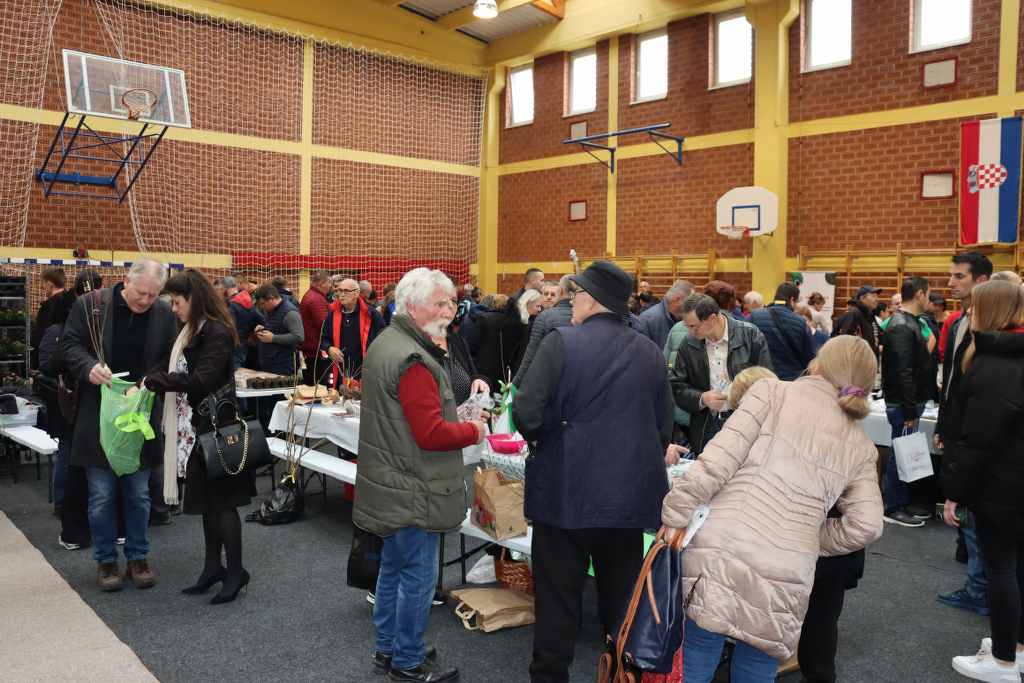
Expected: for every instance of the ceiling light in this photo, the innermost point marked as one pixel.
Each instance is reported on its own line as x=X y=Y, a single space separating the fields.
x=485 y=9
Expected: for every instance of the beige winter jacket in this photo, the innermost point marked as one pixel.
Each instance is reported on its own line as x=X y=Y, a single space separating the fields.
x=784 y=458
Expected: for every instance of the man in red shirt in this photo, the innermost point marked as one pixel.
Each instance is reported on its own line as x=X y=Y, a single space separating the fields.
x=313 y=309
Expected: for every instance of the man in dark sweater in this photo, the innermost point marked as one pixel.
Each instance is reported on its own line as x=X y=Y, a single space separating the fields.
x=591 y=489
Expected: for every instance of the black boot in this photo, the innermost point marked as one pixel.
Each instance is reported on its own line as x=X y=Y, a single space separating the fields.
x=427 y=672
x=382 y=660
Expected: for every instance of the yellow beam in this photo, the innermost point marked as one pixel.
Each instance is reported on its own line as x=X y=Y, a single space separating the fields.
x=1009 y=35
x=487 y=229
x=461 y=18
x=613 y=125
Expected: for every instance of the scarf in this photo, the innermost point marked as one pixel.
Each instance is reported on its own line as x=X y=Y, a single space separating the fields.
x=170 y=419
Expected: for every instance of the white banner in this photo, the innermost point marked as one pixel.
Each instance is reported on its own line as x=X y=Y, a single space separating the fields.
x=822 y=282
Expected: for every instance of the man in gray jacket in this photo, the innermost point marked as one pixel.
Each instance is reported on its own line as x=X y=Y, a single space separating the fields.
x=659 y=319
x=559 y=315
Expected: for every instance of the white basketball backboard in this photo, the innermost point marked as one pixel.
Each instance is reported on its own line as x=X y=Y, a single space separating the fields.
x=755 y=207
x=95 y=86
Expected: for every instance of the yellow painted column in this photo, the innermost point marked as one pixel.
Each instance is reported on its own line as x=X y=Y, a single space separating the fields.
x=613 y=125
x=487 y=236
x=771 y=20
x=1009 y=36
x=306 y=181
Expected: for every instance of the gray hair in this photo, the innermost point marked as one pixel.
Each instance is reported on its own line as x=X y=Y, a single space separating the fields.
x=365 y=286
x=1006 y=276
x=564 y=285
x=337 y=278
x=679 y=288
x=487 y=300
x=753 y=297
x=417 y=286
x=228 y=282
x=551 y=283
x=528 y=296
x=148 y=267
x=701 y=304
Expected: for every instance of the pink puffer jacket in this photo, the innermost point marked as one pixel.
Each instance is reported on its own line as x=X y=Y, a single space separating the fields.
x=784 y=458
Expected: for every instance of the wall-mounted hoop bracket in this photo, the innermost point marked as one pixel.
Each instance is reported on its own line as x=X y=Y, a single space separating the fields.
x=653 y=131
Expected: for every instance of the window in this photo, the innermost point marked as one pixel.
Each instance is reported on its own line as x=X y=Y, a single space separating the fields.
x=521 y=89
x=828 y=25
x=733 y=49
x=582 y=81
x=940 y=23
x=651 y=66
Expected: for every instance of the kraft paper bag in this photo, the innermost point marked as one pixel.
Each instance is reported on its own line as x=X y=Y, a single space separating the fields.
x=913 y=459
x=498 y=504
x=493 y=608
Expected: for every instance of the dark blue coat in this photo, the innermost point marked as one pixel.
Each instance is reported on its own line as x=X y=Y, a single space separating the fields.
x=599 y=460
x=279 y=358
x=475 y=311
x=786 y=364
x=245 y=319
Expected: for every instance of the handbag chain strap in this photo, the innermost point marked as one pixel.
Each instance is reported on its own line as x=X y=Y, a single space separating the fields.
x=245 y=450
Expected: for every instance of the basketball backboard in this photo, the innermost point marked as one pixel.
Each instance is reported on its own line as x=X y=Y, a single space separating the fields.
x=755 y=207
x=96 y=85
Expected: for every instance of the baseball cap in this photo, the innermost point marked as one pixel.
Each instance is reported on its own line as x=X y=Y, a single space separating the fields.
x=867 y=289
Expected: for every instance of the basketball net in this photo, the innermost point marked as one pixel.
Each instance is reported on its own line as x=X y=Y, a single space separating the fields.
x=139 y=102
x=734 y=232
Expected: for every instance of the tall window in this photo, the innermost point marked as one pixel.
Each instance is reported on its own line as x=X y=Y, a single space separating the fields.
x=940 y=23
x=582 y=81
x=651 y=65
x=521 y=89
x=733 y=49
x=829 y=33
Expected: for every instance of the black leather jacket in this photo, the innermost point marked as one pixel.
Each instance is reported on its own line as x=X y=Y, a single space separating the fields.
x=691 y=374
x=907 y=375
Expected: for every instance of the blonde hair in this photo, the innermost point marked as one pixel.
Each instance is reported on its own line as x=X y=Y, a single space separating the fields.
x=995 y=306
x=524 y=301
x=815 y=298
x=500 y=301
x=741 y=385
x=805 y=312
x=847 y=361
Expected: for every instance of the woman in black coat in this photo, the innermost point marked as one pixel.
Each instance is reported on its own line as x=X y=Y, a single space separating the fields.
x=983 y=464
x=204 y=364
x=513 y=330
x=485 y=341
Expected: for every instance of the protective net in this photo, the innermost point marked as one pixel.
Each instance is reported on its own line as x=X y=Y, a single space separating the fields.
x=385 y=179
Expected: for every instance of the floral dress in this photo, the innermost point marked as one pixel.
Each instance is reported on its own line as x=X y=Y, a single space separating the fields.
x=186 y=432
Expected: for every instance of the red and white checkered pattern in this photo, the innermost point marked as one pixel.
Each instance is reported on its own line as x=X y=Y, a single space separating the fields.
x=991 y=175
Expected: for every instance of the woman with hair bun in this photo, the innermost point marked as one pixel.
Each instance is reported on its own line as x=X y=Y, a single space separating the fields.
x=788 y=454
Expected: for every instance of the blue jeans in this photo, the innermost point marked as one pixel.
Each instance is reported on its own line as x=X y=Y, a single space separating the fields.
x=977 y=585
x=702 y=650
x=405 y=588
x=896 y=488
x=60 y=471
x=103 y=514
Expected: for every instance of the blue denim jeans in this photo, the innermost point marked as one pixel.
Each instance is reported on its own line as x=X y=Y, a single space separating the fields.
x=896 y=488
x=702 y=651
x=103 y=513
x=60 y=471
x=977 y=585
x=405 y=588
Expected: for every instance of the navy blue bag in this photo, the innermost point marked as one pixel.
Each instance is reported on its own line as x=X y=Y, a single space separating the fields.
x=650 y=629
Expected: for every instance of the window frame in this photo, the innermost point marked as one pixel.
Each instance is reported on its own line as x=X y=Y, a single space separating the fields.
x=573 y=56
x=638 y=42
x=717 y=19
x=808 y=39
x=512 y=123
x=915 y=45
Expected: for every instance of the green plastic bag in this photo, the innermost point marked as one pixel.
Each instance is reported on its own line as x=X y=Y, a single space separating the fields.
x=124 y=424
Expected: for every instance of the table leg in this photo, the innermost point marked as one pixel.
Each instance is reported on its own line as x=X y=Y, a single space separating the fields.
x=49 y=483
x=273 y=475
x=462 y=553
x=323 y=479
x=39 y=471
x=440 y=561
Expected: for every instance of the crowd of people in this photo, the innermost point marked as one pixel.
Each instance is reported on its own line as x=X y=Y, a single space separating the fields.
x=701 y=374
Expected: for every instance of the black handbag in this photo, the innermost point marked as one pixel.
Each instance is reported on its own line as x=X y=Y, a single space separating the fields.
x=231 y=447
x=364 y=560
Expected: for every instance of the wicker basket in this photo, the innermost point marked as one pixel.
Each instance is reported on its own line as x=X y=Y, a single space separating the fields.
x=514 y=575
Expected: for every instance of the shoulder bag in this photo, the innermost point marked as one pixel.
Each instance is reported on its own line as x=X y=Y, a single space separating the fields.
x=231 y=447
x=797 y=356
x=69 y=387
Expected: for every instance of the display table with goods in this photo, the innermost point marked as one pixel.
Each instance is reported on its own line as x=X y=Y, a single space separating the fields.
x=878 y=428
x=255 y=384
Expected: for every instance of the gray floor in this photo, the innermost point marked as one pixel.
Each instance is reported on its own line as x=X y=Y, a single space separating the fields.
x=300 y=622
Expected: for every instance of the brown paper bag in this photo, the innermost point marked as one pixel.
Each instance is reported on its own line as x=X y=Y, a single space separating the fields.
x=498 y=505
x=493 y=608
x=307 y=394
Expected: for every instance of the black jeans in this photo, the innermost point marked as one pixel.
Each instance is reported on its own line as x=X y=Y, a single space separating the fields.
x=561 y=558
x=820 y=635
x=1003 y=558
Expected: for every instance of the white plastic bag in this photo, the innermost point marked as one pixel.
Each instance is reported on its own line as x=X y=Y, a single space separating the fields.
x=482 y=571
x=913 y=460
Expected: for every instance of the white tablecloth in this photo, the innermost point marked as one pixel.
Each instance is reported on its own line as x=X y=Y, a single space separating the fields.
x=341 y=431
x=878 y=428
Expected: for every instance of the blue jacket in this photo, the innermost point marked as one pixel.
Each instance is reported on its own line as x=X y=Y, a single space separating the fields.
x=657 y=321
x=591 y=467
x=279 y=359
x=469 y=321
x=786 y=365
x=245 y=317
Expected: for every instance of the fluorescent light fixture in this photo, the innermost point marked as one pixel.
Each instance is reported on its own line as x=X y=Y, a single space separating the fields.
x=485 y=9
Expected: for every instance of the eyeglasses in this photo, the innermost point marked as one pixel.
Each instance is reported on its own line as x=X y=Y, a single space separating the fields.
x=573 y=293
x=695 y=328
x=347 y=291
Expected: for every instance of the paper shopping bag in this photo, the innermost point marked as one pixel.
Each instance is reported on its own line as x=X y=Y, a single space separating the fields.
x=913 y=460
x=493 y=608
x=498 y=505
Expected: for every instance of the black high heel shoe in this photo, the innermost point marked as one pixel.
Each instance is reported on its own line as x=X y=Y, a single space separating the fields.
x=217 y=577
x=221 y=598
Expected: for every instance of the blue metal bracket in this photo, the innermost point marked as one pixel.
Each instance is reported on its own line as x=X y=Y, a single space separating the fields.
x=652 y=131
x=89 y=139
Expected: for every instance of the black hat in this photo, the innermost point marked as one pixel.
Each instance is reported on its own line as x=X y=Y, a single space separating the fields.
x=936 y=298
x=610 y=285
x=867 y=289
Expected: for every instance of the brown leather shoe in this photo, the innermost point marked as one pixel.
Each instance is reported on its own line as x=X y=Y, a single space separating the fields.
x=140 y=573
x=110 y=577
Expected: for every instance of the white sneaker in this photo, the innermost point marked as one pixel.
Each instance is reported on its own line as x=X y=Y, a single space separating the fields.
x=68 y=546
x=986 y=644
x=120 y=541
x=983 y=667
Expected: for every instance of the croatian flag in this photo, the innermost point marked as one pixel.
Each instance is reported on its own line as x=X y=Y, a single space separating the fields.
x=990 y=160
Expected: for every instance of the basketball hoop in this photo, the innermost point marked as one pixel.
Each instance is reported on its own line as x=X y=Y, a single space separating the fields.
x=139 y=102
x=734 y=232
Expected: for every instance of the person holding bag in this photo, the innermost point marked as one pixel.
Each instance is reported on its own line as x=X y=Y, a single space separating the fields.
x=788 y=453
x=983 y=468
x=200 y=364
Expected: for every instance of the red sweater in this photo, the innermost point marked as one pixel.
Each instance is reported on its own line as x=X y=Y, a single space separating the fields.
x=950 y=319
x=313 y=310
x=421 y=403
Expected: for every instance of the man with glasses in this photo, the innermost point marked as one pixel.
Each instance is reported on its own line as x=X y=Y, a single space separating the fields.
x=710 y=356
x=350 y=327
